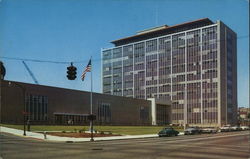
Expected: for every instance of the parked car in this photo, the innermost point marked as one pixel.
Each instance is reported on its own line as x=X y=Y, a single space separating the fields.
x=236 y=128
x=226 y=128
x=245 y=128
x=209 y=130
x=168 y=132
x=192 y=131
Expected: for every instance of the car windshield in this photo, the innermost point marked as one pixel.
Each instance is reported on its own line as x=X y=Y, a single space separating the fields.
x=168 y=129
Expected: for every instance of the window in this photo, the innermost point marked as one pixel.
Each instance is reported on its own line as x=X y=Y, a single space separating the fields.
x=37 y=107
x=151 y=45
x=162 y=116
x=117 y=52
x=144 y=113
x=106 y=54
x=104 y=113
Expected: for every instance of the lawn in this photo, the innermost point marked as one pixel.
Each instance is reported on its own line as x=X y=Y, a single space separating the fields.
x=123 y=130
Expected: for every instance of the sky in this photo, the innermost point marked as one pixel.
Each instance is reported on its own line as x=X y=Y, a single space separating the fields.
x=64 y=31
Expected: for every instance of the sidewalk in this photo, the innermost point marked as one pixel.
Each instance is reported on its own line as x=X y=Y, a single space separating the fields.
x=40 y=136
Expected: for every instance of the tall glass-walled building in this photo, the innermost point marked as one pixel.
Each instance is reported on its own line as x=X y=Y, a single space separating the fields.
x=192 y=64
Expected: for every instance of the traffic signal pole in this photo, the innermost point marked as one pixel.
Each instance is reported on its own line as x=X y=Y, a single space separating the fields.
x=71 y=71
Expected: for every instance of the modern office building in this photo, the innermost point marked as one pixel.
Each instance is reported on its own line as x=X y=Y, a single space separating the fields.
x=193 y=65
x=51 y=105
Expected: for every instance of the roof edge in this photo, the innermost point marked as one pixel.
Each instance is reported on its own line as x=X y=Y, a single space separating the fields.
x=158 y=30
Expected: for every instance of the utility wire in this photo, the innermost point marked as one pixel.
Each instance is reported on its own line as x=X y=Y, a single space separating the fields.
x=68 y=62
x=33 y=60
x=45 y=61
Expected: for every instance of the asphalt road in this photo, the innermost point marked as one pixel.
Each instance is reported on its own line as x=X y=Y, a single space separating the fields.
x=233 y=145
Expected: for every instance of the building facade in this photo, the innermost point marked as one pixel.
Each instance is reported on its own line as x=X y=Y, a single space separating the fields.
x=51 y=105
x=244 y=116
x=192 y=64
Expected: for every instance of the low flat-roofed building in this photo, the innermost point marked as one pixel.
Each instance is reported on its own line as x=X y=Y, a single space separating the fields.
x=52 y=105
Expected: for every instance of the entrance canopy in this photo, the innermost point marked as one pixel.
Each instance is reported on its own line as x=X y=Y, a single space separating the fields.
x=161 y=111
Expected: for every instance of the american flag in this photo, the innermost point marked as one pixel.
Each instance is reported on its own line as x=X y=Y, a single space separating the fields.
x=87 y=69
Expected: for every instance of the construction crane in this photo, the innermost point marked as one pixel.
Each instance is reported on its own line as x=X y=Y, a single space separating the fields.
x=30 y=72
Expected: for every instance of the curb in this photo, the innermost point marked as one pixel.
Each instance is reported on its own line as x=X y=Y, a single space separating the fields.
x=50 y=138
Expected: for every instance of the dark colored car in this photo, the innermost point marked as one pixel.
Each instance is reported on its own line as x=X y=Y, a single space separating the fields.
x=168 y=132
x=192 y=131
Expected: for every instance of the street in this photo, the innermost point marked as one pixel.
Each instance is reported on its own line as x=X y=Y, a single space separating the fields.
x=233 y=145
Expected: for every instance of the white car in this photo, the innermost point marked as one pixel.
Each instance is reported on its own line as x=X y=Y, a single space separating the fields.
x=236 y=128
x=244 y=127
x=209 y=130
x=226 y=128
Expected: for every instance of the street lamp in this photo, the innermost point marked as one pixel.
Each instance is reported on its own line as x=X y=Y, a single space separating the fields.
x=23 y=92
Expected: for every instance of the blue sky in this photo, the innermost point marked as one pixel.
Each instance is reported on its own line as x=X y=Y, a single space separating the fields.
x=74 y=30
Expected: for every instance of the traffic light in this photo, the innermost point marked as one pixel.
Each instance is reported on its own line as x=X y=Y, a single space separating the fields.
x=71 y=72
x=2 y=70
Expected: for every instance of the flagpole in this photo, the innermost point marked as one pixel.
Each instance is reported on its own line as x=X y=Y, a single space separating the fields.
x=91 y=102
x=91 y=107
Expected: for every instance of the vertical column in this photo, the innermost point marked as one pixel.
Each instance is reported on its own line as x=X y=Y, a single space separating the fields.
x=211 y=86
x=171 y=54
x=102 y=70
x=225 y=65
x=133 y=71
x=122 y=71
x=145 y=68
x=219 y=72
x=0 y=93
x=171 y=75
x=185 y=88
x=157 y=44
x=201 y=87
x=171 y=87
x=112 y=77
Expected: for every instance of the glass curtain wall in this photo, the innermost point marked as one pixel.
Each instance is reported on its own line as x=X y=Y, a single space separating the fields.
x=209 y=75
x=107 y=72
x=171 y=67
x=128 y=71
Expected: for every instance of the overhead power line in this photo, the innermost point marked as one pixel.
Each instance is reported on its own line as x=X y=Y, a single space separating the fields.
x=68 y=62
x=42 y=61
